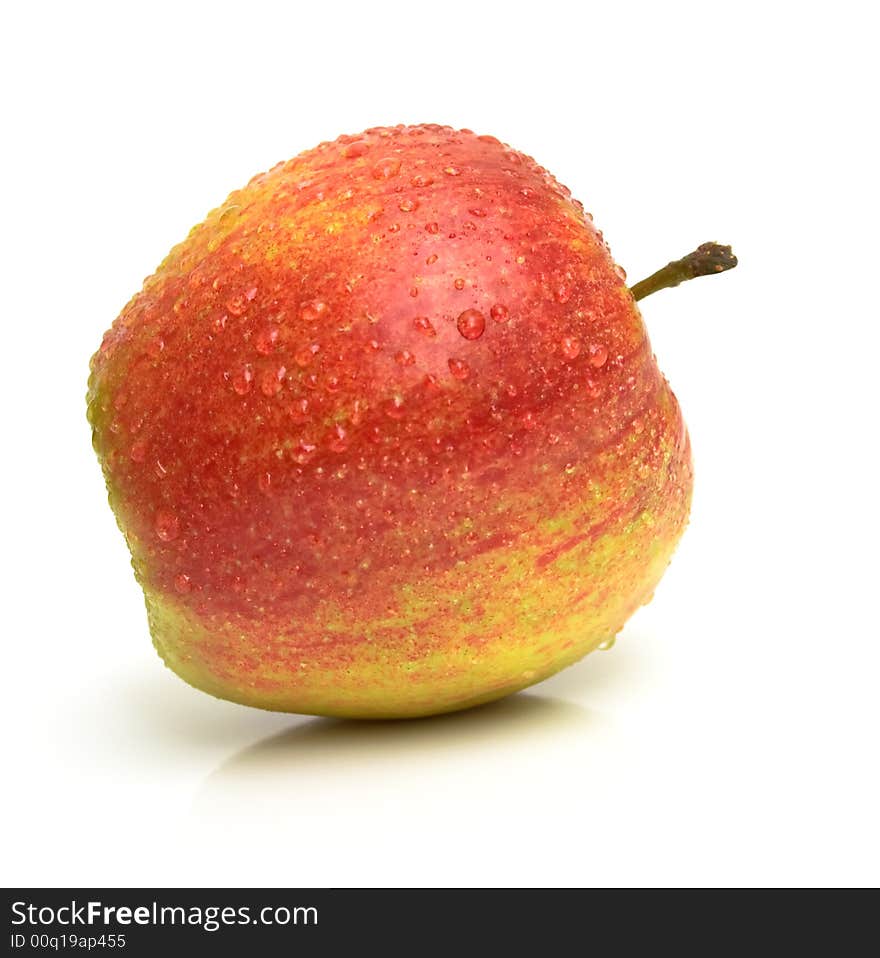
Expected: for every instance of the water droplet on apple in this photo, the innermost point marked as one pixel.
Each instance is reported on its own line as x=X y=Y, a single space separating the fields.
x=562 y=293
x=421 y=180
x=452 y=171
x=243 y=380
x=459 y=368
x=405 y=358
x=471 y=324
x=271 y=380
x=607 y=644
x=306 y=354
x=311 y=311
x=266 y=340
x=499 y=313
x=408 y=205
x=386 y=168
x=598 y=355
x=424 y=326
x=167 y=525
x=432 y=228
x=620 y=271
x=570 y=347
x=431 y=259
x=299 y=410
x=338 y=440
x=237 y=305
x=264 y=481
x=459 y=283
x=303 y=452
x=229 y=213
x=394 y=408
x=352 y=151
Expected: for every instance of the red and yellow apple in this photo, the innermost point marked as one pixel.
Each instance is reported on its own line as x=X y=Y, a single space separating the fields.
x=385 y=434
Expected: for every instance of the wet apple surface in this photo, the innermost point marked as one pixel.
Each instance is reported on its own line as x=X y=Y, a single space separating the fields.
x=385 y=433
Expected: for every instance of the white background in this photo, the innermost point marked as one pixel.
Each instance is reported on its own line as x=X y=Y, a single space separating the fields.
x=730 y=737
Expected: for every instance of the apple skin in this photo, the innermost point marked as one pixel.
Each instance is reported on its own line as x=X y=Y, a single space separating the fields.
x=385 y=434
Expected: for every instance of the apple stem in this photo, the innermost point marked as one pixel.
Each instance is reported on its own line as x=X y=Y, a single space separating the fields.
x=704 y=261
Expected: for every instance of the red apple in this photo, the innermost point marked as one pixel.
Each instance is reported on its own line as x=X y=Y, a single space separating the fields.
x=385 y=434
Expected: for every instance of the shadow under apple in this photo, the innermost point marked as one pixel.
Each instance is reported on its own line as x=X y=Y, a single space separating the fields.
x=164 y=723
x=318 y=764
x=349 y=740
x=544 y=718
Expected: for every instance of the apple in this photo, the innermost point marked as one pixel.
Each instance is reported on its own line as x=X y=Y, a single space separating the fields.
x=385 y=434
